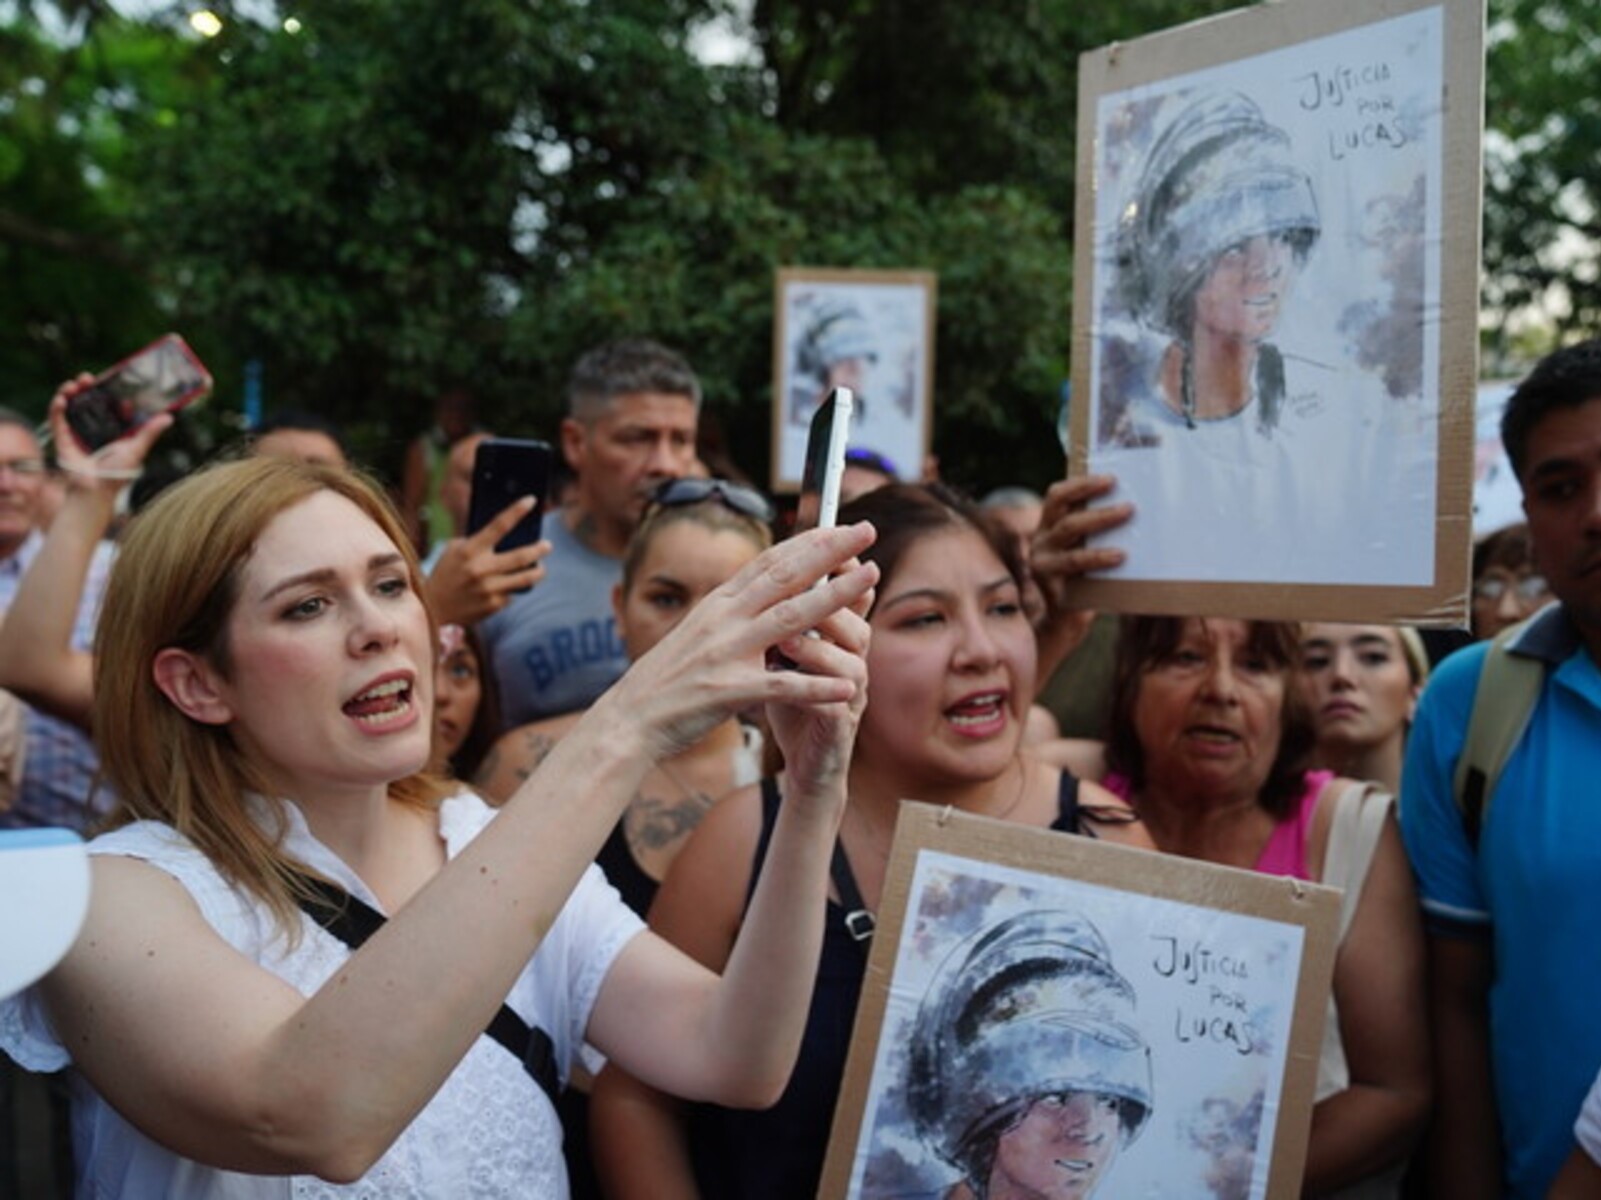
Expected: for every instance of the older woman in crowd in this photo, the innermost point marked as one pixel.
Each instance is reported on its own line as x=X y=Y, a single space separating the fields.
x=1210 y=741
x=1507 y=586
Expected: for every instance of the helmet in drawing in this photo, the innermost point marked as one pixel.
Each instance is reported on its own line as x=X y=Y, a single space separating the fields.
x=1029 y=1007
x=1217 y=176
x=837 y=332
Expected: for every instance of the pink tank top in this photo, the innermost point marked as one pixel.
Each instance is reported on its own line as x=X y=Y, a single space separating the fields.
x=1285 y=852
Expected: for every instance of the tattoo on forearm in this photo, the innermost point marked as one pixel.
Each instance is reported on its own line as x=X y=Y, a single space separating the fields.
x=653 y=824
x=536 y=748
x=505 y=773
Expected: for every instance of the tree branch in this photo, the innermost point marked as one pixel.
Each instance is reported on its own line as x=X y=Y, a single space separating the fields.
x=18 y=228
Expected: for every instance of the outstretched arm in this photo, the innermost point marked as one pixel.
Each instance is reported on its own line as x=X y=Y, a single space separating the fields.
x=224 y=1063
x=37 y=658
x=640 y=1140
x=733 y=1039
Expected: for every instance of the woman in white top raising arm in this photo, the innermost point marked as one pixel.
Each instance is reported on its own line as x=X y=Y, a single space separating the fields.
x=263 y=682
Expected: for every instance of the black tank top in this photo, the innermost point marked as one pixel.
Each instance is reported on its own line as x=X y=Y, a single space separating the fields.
x=777 y=1153
x=624 y=873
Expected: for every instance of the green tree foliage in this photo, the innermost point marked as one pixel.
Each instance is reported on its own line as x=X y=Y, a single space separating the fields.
x=77 y=290
x=401 y=195
x=1543 y=162
x=694 y=263
x=952 y=93
x=342 y=203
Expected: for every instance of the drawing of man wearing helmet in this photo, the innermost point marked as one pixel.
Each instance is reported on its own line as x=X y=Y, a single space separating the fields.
x=837 y=349
x=1027 y=1071
x=1208 y=250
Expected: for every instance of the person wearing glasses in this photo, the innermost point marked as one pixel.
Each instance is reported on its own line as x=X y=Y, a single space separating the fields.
x=633 y=410
x=48 y=764
x=59 y=762
x=1507 y=588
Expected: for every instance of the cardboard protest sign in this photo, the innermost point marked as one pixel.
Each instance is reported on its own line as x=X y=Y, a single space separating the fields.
x=1110 y=1021
x=870 y=331
x=1276 y=309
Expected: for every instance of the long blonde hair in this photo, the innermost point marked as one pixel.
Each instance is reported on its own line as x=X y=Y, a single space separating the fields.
x=174 y=585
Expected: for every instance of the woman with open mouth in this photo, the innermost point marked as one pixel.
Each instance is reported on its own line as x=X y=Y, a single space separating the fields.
x=310 y=967
x=1210 y=741
x=951 y=677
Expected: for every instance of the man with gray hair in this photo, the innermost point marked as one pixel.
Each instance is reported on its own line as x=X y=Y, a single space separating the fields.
x=632 y=410
x=57 y=760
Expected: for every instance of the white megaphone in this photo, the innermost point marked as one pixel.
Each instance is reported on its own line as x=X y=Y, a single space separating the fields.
x=44 y=897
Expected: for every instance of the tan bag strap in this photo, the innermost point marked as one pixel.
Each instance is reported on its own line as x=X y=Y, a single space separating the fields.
x=1508 y=689
x=1359 y=814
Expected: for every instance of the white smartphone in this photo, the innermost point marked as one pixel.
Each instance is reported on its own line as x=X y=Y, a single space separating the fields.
x=830 y=434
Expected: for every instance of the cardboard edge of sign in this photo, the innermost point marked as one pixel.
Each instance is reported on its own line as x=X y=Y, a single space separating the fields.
x=781 y=482
x=1242 y=34
x=921 y=827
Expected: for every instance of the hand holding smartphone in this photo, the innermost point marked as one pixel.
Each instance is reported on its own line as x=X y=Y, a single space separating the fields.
x=506 y=470
x=163 y=377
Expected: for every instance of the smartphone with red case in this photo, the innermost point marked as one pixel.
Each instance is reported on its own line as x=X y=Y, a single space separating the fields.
x=163 y=377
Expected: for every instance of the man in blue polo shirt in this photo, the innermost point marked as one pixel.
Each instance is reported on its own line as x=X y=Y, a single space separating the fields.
x=1515 y=922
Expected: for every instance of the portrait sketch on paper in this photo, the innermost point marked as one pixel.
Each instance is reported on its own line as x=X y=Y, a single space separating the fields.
x=1050 y=1036
x=1265 y=316
x=870 y=331
x=1027 y=1066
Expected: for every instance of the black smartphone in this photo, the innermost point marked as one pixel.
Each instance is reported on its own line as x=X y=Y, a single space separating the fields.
x=505 y=469
x=826 y=441
x=163 y=377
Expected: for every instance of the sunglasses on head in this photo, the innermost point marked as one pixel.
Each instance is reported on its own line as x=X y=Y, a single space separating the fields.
x=675 y=493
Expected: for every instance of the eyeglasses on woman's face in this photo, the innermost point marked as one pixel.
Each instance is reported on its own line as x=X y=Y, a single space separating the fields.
x=1527 y=589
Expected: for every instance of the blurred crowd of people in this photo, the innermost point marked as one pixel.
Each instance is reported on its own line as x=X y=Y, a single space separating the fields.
x=564 y=807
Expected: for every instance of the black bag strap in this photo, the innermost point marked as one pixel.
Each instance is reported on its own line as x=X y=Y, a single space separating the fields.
x=859 y=920
x=353 y=921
